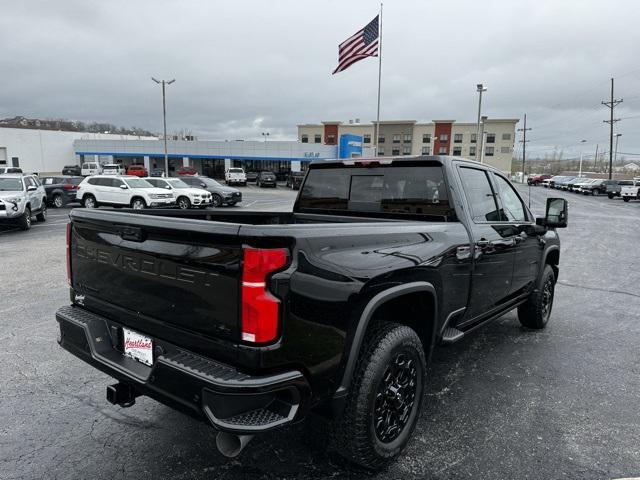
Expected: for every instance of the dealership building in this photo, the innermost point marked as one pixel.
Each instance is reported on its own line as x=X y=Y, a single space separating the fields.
x=409 y=137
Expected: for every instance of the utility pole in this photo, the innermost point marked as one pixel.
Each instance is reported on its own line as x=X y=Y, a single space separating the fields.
x=164 y=121
x=524 y=144
x=611 y=104
x=581 y=152
x=479 y=88
x=615 y=155
x=595 y=160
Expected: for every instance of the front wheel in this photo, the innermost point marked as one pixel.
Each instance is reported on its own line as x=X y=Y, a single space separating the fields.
x=184 y=203
x=216 y=200
x=58 y=201
x=535 y=312
x=626 y=199
x=610 y=195
x=138 y=204
x=25 y=220
x=384 y=401
x=42 y=216
x=89 y=201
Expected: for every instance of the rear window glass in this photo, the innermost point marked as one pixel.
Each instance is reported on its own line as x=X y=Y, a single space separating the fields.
x=396 y=190
x=236 y=170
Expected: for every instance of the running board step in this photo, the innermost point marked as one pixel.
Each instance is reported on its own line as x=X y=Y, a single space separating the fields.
x=451 y=335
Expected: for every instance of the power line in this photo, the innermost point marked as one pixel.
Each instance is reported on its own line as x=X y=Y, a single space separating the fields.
x=611 y=104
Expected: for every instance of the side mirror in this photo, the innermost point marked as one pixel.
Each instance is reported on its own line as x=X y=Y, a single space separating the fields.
x=31 y=188
x=168 y=187
x=124 y=187
x=556 y=215
x=203 y=185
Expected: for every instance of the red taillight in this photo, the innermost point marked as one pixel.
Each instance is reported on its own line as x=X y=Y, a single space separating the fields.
x=69 y=253
x=260 y=309
x=68 y=186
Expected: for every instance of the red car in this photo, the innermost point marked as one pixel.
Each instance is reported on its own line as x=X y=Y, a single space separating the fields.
x=537 y=179
x=137 y=170
x=186 y=172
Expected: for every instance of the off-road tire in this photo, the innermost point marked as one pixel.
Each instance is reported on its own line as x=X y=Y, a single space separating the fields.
x=535 y=312
x=24 y=222
x=42 y=215
x=353 y=434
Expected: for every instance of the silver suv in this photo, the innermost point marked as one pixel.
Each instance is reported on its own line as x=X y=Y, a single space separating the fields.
x=22 y=196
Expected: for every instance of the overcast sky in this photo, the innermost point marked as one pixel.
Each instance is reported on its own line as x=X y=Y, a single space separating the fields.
x=246 y=67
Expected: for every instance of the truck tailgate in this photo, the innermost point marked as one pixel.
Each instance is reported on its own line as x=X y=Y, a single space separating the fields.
x=177 y=272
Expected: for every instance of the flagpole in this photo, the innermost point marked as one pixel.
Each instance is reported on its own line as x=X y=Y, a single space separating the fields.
x=377 y=129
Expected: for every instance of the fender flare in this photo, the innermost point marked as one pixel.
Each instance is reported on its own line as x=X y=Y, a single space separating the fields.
x=546 y=253
x=373 y=304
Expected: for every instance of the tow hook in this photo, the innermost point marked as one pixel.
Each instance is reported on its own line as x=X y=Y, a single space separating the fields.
x=122 y=394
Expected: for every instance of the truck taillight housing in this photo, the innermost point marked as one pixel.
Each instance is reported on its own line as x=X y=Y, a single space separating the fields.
x=260 y=309
x=69 y=253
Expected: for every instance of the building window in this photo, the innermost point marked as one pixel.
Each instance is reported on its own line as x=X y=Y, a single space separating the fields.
x=396 y=138
x=407 y=138
x=457 y=138
x=488 y=151
x=473 y=138
x=317 y=138
x=442 y=151
x=381 y=152
x=366 y=138
x=426 y=150
x=491 y=138
x=505 y=149
x=457 y=151
x=426 y=138
x=395 y=151
x=444 y=137
x=381 y=138
x=331 y=139
x=305 y=139
x=506 y=136
x=472 y=151
x=406 y=150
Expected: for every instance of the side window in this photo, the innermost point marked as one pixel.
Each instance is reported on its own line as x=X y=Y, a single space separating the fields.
x=30 y=182
x=512 y=208
x=116 y=182
x=480 y=195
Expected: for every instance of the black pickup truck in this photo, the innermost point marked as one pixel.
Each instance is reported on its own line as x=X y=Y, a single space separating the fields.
x=252 y=321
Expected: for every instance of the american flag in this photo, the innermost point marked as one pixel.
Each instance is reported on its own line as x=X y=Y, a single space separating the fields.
x=363 y=44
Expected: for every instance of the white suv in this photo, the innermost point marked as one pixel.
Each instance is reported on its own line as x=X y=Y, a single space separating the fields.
x=235 y=175
x=113 y=169
x=186 y=195
x=22 y=196
x=122 y=190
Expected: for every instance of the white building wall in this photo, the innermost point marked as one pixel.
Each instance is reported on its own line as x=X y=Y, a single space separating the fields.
x=47 y=151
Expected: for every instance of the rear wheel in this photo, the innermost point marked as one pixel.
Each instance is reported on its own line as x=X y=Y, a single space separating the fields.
x=385 y=398
x=89 y=201
x=535 y=312
x=24 y=222
x=42 y=215
x=626 y=199
x=184 y=203
x=596 y=191
x=58 y=201
x=610 y=195
x=138 y=204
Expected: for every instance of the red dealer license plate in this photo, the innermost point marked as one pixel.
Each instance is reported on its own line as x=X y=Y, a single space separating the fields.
x=138 y=346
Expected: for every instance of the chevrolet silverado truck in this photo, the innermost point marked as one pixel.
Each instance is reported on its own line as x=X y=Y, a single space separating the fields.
x=252 y=321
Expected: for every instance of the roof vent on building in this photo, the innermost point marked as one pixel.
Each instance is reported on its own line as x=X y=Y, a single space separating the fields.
x=350 y=122
x=357 y=120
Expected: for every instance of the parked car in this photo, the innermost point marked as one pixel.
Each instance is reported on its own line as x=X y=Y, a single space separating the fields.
x=266 y=179
x=157 y=172
x=615 y=186
x=138 y=171
x=90 y=168
x=61 y=190
x=252 y=176
x=186 y=195
x=235 y=176
x=4 y=170
x=630 y=192
x=551 y=182
x=577 y=182
x=186 y=171
x=563 y=183
x=113 y=169
x=294 y=180
x=221 y=194
x=121 y=190
x=21 y=197
x=251 y=321
x=537 y=179
x=72 y=170
x=596 y=187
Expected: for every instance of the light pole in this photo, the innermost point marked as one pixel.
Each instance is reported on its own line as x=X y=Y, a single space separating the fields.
x=164 y=121
x=580 y=172
x=265 y=135
x=479 y=88
x=615 y=155
x=481 y=140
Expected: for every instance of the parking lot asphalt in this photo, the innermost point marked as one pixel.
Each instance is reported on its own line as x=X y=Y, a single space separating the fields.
x=505 y=403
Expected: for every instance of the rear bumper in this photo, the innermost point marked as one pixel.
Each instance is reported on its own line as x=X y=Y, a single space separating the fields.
x=230 y=400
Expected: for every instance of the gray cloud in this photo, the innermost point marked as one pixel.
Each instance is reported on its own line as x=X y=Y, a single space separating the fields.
x=246 y=67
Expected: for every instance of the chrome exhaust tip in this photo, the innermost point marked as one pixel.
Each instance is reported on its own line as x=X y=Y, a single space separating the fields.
x=231 y=445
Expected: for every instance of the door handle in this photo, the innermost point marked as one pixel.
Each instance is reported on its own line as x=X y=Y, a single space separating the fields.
x=520 y=238
x=483 y=242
